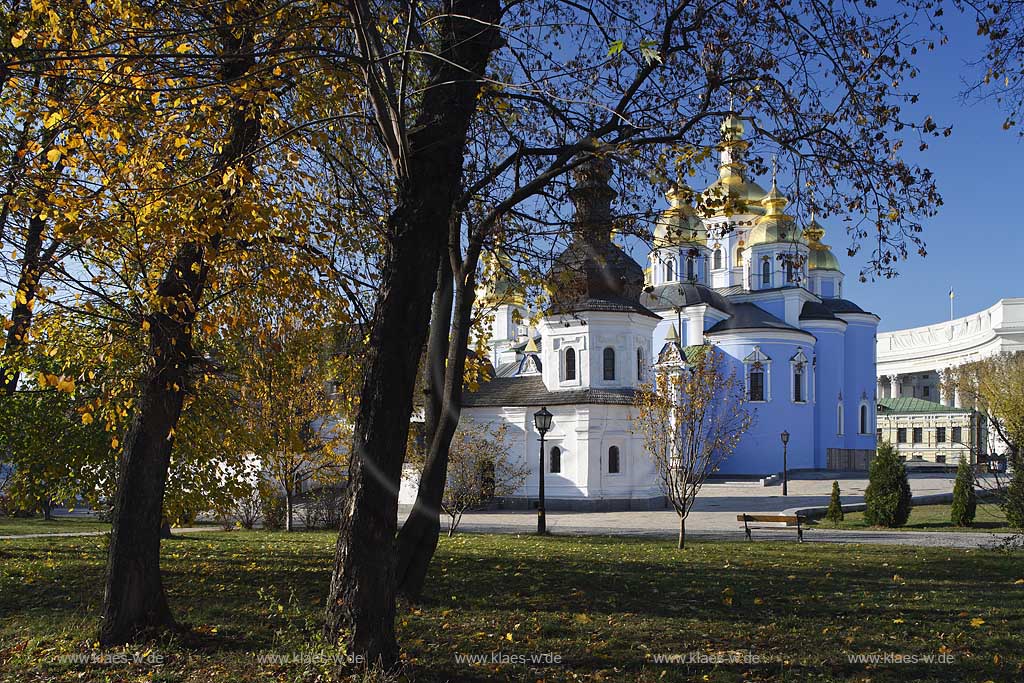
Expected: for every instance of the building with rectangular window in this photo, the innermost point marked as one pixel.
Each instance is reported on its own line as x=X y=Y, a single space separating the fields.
x=729 y=268
x=928 y=432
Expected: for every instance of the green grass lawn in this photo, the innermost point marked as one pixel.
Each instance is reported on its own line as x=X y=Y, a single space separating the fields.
x=17 y=526
x=605 y=608
x=989 y=517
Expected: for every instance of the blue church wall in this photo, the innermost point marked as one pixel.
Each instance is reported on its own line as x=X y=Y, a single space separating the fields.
x=860 y=380
x=760 y=450
x=830 y=378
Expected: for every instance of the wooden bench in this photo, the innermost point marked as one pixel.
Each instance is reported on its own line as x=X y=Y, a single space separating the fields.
x=772 y=522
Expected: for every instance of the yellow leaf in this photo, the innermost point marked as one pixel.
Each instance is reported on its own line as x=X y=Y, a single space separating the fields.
x=114 y=443
x=145 y=326
x=87 y=418
x=53 y=156
x=183 y=48
x=18 y=38
x=977 y=621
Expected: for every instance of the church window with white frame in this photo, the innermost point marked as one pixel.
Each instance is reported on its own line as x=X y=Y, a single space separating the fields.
x=570 y=364
x=864 y=418
x=609 y=363
x=766 y=272
x=718 y=259
x=639 y=364
x=556 y=460
x=670 y=270
x=798 y=365
x=758 y=375
x=614 y=466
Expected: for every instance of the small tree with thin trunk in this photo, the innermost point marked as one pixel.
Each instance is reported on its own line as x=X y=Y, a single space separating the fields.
x=480 y=469
x=834 y=513
x=691 y=419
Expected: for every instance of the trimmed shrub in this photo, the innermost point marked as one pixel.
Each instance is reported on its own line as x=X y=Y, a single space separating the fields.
x=965 y=502
x=887 y=498
x=274 y=511
x=1013 y=502
x=834 y=513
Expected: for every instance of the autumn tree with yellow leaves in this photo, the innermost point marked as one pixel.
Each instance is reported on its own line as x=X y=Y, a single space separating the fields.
x=691 y=418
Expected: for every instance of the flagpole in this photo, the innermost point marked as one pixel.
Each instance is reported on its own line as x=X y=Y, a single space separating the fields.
x=951 y=303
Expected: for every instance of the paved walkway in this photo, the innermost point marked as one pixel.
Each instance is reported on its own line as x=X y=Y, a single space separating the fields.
x=175 y=531
x=666 y=525
x=714 y=515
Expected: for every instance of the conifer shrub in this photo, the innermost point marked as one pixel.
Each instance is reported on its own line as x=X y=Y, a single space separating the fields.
x=834 y=513
x=965 y=502
x=887 y=498
x=1013 y=502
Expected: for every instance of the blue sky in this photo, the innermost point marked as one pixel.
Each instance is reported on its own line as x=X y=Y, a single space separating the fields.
x=975 y=243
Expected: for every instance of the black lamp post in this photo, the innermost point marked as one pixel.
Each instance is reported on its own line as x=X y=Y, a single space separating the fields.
x=542 y=421
x=785 y=469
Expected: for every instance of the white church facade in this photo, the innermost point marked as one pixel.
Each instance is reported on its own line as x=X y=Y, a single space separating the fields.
x=742 y=277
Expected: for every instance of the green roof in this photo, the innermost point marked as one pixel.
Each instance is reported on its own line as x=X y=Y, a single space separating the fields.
x=694 y=352
x=907 y=404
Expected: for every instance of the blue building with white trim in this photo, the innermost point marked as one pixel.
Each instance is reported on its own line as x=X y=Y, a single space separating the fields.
x=728 y=267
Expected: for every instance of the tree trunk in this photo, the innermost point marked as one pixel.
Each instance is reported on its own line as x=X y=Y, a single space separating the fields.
x=21 y=316
x=165 y=528
x=288 y=511
x=424 y=520
x=417 y=541
x=134 y=602
x=361 y=603
x=682 y=533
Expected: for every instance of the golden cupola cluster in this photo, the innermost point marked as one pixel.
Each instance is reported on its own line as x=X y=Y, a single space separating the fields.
x=679 y=224
x=820 y=256
x=732 y=193
x=497 y=288
x=775 y=225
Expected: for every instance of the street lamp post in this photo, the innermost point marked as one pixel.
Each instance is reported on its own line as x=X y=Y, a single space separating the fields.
x=542 y=421
x=785 y=469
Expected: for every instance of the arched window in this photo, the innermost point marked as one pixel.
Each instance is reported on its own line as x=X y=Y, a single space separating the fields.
x=570 y=364
x=839 y=419
x=766 y=273
x=670 y=270
x=556 y=460
x=613 y=460
x=639 y=364
x=690 y=268
x=739 y=257
x=789 y=271
x=757 y=384
x=609 y=363
x=718 y=259
x=798 y=382
x=863 y=418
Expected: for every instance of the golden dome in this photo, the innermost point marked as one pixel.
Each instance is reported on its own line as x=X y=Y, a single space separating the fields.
x=776 y=225
x=496 y=288
x=820 y=256
x=732 y=193
x=679 y=223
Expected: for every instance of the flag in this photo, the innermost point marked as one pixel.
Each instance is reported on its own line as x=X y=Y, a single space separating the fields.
x=951 y=293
